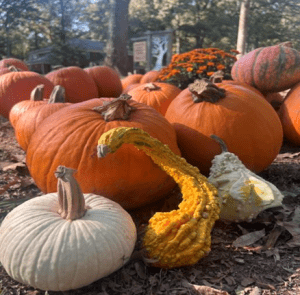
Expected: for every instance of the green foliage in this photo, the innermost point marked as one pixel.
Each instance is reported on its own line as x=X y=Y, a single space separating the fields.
x=199 y=63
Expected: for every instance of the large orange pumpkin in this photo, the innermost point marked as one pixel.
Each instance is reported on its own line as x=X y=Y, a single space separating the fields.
x=246 y=121
x=70 y=136
x=289 y=114
x=155 y=94
x=17 y=86
x=107 y=81
x=18 y=63
x=78 y=84
x=33 y=117
x=269 y=69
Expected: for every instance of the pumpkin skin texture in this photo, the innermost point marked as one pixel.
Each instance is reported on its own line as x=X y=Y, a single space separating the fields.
x=17 y=86
x=107 y=81
x=131 y=79
x=269 y=69
x=245 y=121
x=156 y=95
x=130 y=87
x=128 y=177
x=19 y=64
x=33 y=118
x=57 y=248
x=150 y=76
x=289 y=113
x=78 y=84
x=180 y=237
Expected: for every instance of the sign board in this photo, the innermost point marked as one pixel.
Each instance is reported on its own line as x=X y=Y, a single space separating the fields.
x=140 y=51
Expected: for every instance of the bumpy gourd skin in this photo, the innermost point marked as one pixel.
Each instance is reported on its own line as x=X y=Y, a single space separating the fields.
x=243 y=194
x=180 y=237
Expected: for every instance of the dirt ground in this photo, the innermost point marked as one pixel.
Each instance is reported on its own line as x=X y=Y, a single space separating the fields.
x=257 y=258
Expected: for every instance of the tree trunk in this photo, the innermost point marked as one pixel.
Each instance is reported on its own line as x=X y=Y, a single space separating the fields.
x=242 y=33
x=116 y=48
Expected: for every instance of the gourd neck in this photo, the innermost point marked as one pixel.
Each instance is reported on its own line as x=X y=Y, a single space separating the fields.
x=151 y=87
x=37 y=93
x=220 y=142
x=116 y=109
x=205 y=90
x=57 y=95
x=70 y=197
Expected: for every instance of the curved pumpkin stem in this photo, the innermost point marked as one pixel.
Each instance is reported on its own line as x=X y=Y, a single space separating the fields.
x=217 y=77
x=37 y=93
x=117 y=109
x=70 y=196
x=151 y=87
x=58 y=94
x=180 y=237
x=205 y=90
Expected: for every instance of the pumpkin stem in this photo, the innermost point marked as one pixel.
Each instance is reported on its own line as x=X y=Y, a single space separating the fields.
x=217 y=77
x=37 y=93
x=57 y=94
x=117 y=109
x=205 y=90
x=151 y=86
x=70 y=197
x=13 y=68
x=220 y=142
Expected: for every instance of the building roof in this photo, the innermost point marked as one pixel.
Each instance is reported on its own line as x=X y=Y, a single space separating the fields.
x=42 y=55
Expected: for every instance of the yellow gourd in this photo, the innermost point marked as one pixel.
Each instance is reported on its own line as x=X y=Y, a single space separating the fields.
x=180 y=237
x=242 y=193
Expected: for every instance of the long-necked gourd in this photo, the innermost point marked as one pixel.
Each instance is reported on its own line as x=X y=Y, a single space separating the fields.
x=243 y=194
x=180 y=237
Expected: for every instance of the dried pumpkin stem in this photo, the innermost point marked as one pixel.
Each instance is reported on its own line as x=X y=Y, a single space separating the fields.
x=205 y=90
x=220 y=142
x=13 y=68
x=70 y=196
x=217 y=77
x=37 y=93
x=58 y=94
x=117 y=109
x=151 y=87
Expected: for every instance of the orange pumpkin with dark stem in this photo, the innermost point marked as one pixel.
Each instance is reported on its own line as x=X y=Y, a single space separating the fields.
x=70 y=137
x=245 y=120
x=78 y=84
x=131 y=79
x=150 y=76
x=269 y=69
x=33 y=118
x=17 y=86
x=107 y=80
x=289 y=114
x=7 y=62
x=155 y=94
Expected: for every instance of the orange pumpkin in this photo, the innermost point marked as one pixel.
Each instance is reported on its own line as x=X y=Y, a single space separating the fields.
x=289 y=114
x=33 y=118
x=130 y=87
x=107 y=80
x=70 y=137
x=245 y=120
x=131 y=79
x=150 y=76
x=78 y=84
x=36 y=98
x=269 y=69
x=17 y=86
x=157 y=95
x=20 y=64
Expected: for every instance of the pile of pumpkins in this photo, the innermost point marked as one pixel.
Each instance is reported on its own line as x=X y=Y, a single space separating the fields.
x=131 y=141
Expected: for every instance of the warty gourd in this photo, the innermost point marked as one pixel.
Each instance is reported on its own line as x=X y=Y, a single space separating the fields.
x=180 y=237
x=243 y=194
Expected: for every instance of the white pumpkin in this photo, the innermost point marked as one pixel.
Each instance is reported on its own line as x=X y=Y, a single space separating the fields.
x=243 y=194
x=65 y=240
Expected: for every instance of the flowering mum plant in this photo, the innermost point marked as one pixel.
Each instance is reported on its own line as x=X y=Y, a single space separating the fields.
x=199 y=63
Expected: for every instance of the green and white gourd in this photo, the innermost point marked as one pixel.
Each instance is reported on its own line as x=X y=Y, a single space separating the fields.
x=243 y=194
